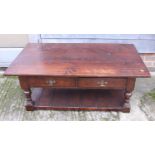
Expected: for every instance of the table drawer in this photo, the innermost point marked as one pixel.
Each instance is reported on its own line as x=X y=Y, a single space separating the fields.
x=51 y=82
x=113 y=83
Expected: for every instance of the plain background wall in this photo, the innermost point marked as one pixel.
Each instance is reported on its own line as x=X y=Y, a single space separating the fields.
x=13 y=40
x=145 y=43
x=10 y=46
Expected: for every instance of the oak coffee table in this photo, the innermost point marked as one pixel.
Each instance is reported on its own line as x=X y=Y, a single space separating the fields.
x=78 y=76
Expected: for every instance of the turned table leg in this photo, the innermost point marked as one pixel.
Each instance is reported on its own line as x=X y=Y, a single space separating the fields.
x=27 y=91
x=126 y=106
x=29 y=105
x=128 y=93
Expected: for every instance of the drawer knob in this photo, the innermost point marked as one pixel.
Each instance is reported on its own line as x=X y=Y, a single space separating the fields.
x=102 y=83
x=51 y=82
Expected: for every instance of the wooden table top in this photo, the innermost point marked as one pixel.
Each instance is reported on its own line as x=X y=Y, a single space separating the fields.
x=78 y=60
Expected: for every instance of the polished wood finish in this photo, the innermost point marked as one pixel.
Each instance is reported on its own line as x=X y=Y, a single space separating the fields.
x=50 y=81
x=110 y=83
x=79 y=60
x=78 y=76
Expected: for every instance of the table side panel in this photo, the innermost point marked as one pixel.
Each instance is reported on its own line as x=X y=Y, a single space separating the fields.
x=63 y=82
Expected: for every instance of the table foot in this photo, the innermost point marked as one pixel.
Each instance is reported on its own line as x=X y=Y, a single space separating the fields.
x=126 y=108
x=29 y=107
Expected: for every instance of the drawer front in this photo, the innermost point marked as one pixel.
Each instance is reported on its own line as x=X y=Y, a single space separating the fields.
x=51 y=82
x=113 y=83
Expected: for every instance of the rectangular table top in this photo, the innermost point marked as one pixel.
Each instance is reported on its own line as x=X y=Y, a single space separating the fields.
x=78 y=60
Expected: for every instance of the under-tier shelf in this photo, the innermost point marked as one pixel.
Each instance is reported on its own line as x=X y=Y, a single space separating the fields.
x=78 y=99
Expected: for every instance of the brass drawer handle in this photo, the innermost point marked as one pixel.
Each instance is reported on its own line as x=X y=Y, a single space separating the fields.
x=102 y=83
x=51 y=82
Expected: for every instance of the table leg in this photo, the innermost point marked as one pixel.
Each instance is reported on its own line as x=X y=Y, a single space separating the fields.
x=27 y=91
x=128 y=93
x=29 y=105
x=126 y=106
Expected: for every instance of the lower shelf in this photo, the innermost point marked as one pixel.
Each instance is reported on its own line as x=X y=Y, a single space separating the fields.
x=79 y=99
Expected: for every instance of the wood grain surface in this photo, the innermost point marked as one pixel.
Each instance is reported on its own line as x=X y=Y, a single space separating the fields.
x=79 y=60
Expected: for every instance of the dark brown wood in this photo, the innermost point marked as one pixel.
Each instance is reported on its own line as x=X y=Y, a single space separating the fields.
x=110 y=83
x=91 y=76
x=128 y=91
x=76 y=99
x=27 y=91
x=79 y=60
x=44 y=81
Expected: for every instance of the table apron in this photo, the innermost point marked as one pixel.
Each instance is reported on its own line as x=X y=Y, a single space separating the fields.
x=82 y=82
